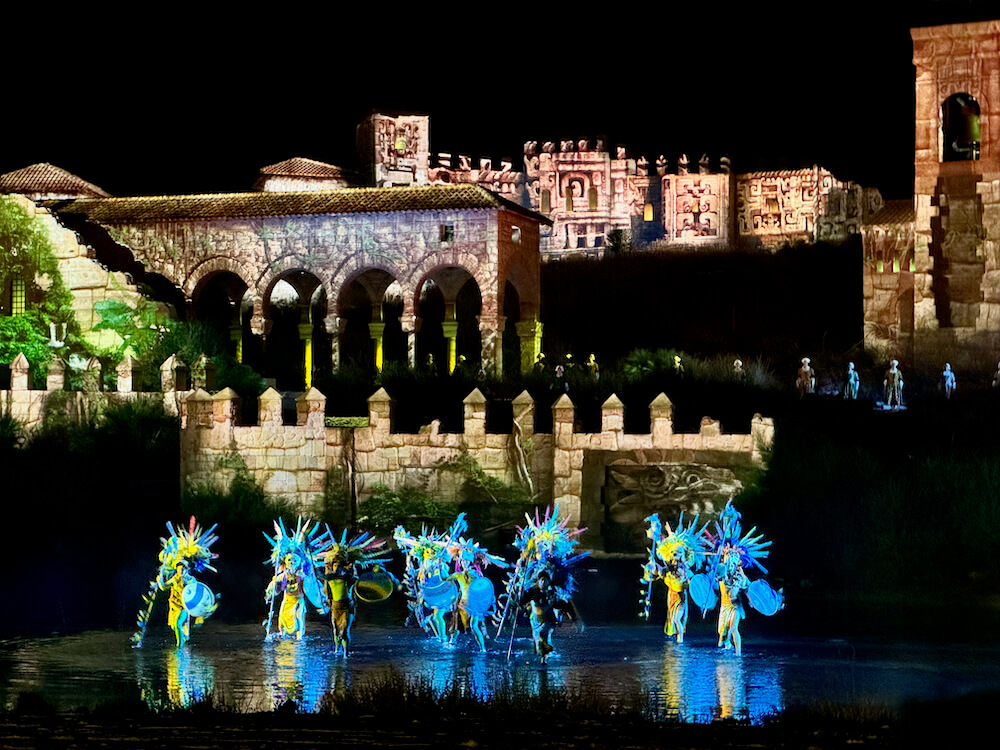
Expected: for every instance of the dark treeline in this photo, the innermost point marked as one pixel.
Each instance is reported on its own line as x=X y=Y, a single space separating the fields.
x=802 y=298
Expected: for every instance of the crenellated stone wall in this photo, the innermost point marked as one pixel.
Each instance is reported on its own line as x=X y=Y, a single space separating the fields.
x=292 y=461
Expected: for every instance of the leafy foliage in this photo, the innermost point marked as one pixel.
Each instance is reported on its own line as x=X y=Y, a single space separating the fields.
x=387 y=508
x=244 y=503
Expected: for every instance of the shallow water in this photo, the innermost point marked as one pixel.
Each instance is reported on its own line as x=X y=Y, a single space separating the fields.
x=694 y=681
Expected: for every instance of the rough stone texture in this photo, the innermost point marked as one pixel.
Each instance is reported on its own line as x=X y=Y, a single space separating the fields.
x=806 y=205
x=292 y=461
x=957 y=202
x=336 y=248
x=87 y=280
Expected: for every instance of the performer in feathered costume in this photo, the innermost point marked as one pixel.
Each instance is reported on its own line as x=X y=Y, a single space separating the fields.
x=673 y=559
x=476 y=594
x=428 y=596
x=342 y=580
x=735 y=553
x=429 y=592
x=296 y=558
x=543 y=578
x=184 y=552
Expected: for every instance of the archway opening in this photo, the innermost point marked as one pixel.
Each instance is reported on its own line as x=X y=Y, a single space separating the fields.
x=960 y=132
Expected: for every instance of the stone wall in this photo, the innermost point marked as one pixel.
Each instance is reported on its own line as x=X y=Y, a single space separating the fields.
x=957 y=196
x=87 y=280
x=292 y=461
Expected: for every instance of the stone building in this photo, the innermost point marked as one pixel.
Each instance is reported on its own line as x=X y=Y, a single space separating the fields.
x=345 y=258
x=956 y=298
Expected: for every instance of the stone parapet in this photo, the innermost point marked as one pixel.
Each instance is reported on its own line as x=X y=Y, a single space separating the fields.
x=292 y=461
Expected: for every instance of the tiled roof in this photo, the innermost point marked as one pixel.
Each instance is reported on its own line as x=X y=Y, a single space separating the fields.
x=894 y=212
x=299 y=166
x=781 y=173
x=346 y=201
x=47 y=179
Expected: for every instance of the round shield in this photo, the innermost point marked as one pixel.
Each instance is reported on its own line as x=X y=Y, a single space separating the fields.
x=763 y=598
x=440 y=594
x=374 y=586
x=199 y=600
x=481 y=596
x=314 y=593
x=703 y=592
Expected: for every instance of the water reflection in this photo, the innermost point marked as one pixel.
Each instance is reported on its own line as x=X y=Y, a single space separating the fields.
x=700 y=685
x=691 y=682
x=300 y=671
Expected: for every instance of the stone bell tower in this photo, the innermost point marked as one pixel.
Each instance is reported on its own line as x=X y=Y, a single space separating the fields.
x=957 y=193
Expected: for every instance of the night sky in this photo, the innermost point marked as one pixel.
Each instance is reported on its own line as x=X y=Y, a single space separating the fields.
x=198 y=103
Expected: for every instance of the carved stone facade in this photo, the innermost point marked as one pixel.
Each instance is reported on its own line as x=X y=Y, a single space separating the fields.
x=802 y=205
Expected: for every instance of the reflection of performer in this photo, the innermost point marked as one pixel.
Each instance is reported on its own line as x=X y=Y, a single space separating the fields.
x=185 y=550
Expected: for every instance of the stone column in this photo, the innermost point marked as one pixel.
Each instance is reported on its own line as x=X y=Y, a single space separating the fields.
x=197 y=410
x=530 y=333
x=491 y=335
x=306 y=337
x=335 y=326
x=236 y=336
x=524 y=414
x=377 y=331
x=449 y=327
x=380 y=417
x=411 y=325
x=225 y=411
x=567 y=460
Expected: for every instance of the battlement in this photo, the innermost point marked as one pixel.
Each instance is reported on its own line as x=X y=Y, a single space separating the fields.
x=292 y=460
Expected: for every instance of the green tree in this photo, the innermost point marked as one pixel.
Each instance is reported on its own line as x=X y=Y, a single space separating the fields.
x=26 y=254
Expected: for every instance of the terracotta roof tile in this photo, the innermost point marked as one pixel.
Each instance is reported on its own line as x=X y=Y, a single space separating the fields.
x=47 y=179
x=299 y=166
x=894 y=212
x=346 y=201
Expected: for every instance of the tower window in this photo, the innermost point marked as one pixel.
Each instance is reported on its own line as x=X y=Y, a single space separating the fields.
x=960 y=128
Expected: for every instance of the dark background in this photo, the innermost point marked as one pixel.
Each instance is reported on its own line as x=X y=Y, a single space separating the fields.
x=198 y=100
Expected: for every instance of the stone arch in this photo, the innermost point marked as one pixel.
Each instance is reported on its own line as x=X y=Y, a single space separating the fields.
x=212 y=266
x=449 y=300
x=960 y=131
x=292 y=302
x=369 y=319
